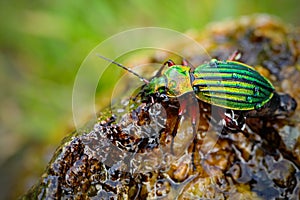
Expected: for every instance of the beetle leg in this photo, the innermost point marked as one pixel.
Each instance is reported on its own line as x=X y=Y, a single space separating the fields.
x=239 y=122
x=182 y=108
x=193 y=112
x=169 y=63
x=232 y=122
x=184 y=62
x=229 y=120
x=159 y=72
x=235 y=56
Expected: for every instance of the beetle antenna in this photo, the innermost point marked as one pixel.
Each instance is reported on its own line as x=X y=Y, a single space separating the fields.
x=122 y=66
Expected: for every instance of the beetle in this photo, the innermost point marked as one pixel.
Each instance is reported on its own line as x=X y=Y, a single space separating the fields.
x=227 y=84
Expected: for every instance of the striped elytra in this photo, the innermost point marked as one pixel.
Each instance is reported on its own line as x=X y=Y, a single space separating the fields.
x=231 y=85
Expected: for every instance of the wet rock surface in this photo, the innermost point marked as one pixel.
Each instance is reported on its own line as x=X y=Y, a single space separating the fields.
x=142 y=154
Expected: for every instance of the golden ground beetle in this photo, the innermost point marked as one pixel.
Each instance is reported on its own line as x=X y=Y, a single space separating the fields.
x=228 y=84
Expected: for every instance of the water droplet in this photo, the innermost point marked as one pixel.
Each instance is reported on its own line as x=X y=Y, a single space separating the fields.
x=234 y=75
x=258 y=106
x=256 y=91
x=219 y=82
x=213 y=63
x=249 y=99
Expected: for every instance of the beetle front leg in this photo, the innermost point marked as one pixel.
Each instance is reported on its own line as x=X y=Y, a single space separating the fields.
x=169 y=63
x=193 y=112
x=182 y=108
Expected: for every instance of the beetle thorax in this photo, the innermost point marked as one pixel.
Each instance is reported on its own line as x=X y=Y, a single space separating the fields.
x=178 y=81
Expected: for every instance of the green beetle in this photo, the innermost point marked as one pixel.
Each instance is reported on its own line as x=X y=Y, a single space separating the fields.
x=228 y=84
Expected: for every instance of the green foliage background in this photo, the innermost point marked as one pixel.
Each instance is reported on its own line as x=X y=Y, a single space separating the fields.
x=42 y=45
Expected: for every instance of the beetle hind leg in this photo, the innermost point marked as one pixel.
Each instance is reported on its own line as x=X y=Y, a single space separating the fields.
x=234 y=122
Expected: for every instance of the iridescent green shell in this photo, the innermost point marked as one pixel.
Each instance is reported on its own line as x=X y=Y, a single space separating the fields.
x=175 y=82
x=231 y=85
x=178 y=80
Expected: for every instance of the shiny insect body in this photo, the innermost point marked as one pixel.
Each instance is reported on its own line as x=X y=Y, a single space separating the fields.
x=228 y=84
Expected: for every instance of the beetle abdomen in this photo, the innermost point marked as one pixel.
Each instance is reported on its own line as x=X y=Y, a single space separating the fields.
x=232 y=85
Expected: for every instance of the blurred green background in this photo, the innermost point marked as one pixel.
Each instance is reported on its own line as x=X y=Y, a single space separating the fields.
x=42 y=46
